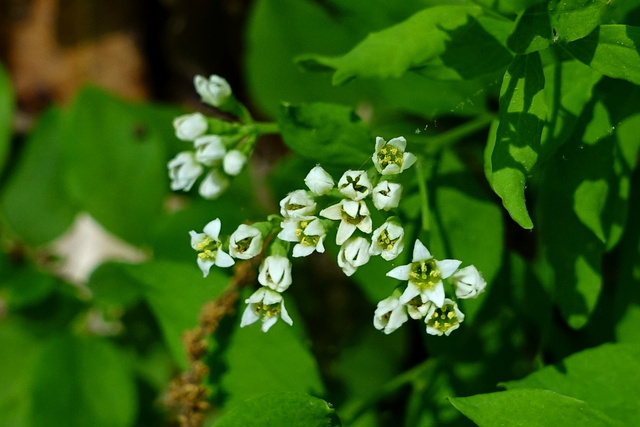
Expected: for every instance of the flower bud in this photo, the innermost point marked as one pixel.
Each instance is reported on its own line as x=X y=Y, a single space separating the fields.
x=209 y=149
x=386 y=195
x=468 y=282
x=390 y=314
x=213 y=185
x=319 y=181
x=183 y=171
x=275 y=272
x=297 y=204
x=213 y=91
x=234 y=162
x=190 y=126
x=353 y=254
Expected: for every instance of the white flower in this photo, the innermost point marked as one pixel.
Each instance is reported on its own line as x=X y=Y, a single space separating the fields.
x=390 y=158
x=209 y=149
x=233 y=162
x=387 y=241
x=352 y=214
x=353 y=254
x=183 y=171
x=297 y=204
x=319 y=181
x=308 y=231
x=468 y=282
x=190 y=126
x=213 y=185
x=390 y=314
x=265 y=304
x=275 y=272
x=417 y=308
x=443 y=320
x=214 y=91
x=355 y=184
x=209 y=248
x=386 y=195
x=425 y=275
x=245 y=242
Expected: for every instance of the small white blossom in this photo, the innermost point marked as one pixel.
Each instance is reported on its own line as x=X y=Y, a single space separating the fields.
x=352 y=214
x=209 y=149
x=355 y=185
x=417 y=308
x=424 y=275
x=390 y=157
x=319 y=181
x=386 y=195
x=213 y=185
x=275 y=272
x=387 y=241
x=190 y=126
x=353 y=254
x=234 y=162
x=209 y=248
x=308 y=232
x=213 y=91
x=245 y=242
x=443 y=320
x=297 y=204
x=390 y=314
x=265 y=304
x=183 y=171
x=468 y=282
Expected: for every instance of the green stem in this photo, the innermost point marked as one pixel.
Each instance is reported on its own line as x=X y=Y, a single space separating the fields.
x=265 y=128
x=439 y=142
x=424 y=196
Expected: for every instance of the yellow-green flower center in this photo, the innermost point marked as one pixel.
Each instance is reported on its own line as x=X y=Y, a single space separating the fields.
x=385 y=241
x=443 y=318
x=207 y=248
x=390 y=155
x=424 y=273
x=359 y=188
x=266 y=310
x=355 y=220
x=305 y=239
x=244 y=244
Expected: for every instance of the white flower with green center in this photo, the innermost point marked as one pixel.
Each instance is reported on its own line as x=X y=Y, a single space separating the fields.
x=245 y=242
x=309 y=232
x=209 y=149
x=275 y=273
x=234 y=162
x=468 y=282
x=424 y=275
x=387 y=241
x=355 y=185
x=390 y=314
x=190 y=126
x=209 y=248
x=417 y=309
x=297 y=204
x=390 y=157
x=353 y=254
x=213 y=185
x=386 y=195
x=183 y=171
x=267 y=305
x=352 y=214
x=319 y=181
x=444 y=319
x=213 y=91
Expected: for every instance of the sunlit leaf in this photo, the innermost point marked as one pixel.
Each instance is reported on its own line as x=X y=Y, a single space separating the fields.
x=574 y=19
x=533 y=30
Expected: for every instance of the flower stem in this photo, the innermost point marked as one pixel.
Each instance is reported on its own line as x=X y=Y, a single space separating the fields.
x=265 y=128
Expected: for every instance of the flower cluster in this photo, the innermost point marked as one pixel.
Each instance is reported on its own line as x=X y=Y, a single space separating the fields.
x=424 y=296
x=219 y=149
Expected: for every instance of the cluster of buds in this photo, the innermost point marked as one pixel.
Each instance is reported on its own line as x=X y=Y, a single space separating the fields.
x=219 y=149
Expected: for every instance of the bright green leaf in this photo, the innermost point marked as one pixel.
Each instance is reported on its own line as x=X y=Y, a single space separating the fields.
x=574 y=19
x=6 y=114
x=279 y=409
x=523 y=112
x=530 y=408
x=327 y=133
x=611 y=50
x=589 y=203
x=533 y=30
x=507 y=7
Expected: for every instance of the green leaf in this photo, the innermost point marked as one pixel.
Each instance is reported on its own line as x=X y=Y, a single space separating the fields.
x=445 y=42
x=327 y=133
x=508 y=7
x=605 y=377
x=574 y=19
x=115 y=163
x=530 y=408
x=523 y=112
x=533 y=30
x=278 y=409
x=611 y=50
x=35 y=204
x=6 y=114
x=89 y=386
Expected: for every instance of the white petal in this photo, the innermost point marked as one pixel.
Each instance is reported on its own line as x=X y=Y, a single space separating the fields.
x=285 y=314
x=409 y=293
x=205 y=265
x=196 y=238
x=301 y=250
x=271 y=297
x=332 y=212
x=213 y=185
x=379 y=143
x=434 y=294
x=401 y=272
x=249 y=316
x=223 y=259
x=398 y=142
x=397 y=319
x=345 y=230
x=212 y=229
x=448 y=267
x=234 y=162
x=420 y=252
x=257 y=296
x=366 y=225
x=268 y=322
x=408 y=160
x=315 y=228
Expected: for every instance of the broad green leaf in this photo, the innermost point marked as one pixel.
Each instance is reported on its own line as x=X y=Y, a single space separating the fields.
x=279 y=409
x=530 y=408
x=574 y=19
x=508 y=7
x=115 y=165
x=6 y=114
x=533 y=30
x=81 y=382
x=445 y=42
x=611 y=50
x=35 y=204
x=112 y=285
x=523 y=112
x=326 y=133
x=605 y=377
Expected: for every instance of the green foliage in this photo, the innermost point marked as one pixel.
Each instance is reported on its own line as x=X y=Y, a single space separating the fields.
x=6 y=115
